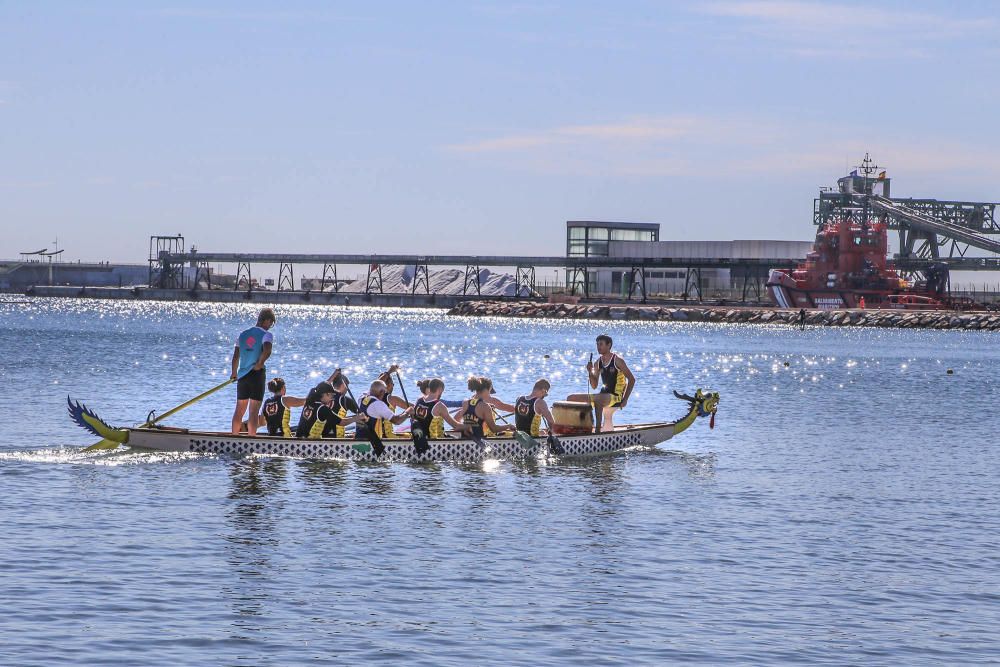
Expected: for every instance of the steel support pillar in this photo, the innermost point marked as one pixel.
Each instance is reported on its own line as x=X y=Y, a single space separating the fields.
x=692 y=279
x=751 y=283
x=243 y=276
x=374 y=282
x=420 y=275
x=578 y=276
x=637 y=279
x=329 y=275
x=524 y=281
x=203 y=272
x=472 y=273
x=286 y=278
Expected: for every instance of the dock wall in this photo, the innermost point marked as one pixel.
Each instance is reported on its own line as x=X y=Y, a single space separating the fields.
x=926 y=319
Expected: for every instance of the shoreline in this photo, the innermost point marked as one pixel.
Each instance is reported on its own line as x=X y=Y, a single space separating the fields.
x=397 y=300
x=898 y=319
x=462 y=305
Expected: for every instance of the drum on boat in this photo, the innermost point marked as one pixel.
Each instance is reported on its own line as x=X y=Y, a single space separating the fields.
x=572 y=418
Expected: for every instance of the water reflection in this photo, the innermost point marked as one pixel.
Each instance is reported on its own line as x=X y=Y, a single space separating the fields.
x=426 y=481
x=257 y=477
x=699 y=466
x=324 y=476
x=257 y=489
x=376 y=480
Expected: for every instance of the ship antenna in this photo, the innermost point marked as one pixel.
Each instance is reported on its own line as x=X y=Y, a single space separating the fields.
x=866 y=169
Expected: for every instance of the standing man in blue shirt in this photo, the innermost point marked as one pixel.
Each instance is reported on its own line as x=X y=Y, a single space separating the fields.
x=253 y=347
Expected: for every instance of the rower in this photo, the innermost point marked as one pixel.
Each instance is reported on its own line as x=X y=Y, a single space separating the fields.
x=275 y=409
x=342 y=401
x=392 y=401
x=530 y=410
x=617 y=384
x=477 y=411
x=378 y=411
x=253 y=347
x=318 y=418
x=430 y=412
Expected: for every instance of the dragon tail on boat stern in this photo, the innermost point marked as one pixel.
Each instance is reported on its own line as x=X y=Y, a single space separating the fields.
x=87 y=419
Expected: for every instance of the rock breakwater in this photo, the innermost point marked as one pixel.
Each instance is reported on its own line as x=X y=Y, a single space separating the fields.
x=860 y=318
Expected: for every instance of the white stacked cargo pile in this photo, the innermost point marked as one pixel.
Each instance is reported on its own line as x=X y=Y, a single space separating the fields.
x=399 y=280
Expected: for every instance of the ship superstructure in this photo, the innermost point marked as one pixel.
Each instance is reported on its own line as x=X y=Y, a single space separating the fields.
x=848 y=266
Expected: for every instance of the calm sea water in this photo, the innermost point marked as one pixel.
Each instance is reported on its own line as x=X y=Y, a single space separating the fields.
x=844 y=510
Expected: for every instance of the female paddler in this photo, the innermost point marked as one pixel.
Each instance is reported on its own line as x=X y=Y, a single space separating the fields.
x=477 y=411
x=319 y=417
x=275 y=409
x=430 y=413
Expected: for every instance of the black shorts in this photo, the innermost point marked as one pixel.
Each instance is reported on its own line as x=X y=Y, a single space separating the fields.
x=251 y=386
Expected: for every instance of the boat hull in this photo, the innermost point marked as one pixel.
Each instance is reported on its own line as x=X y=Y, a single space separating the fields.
x=786 y=292
x=449 y=449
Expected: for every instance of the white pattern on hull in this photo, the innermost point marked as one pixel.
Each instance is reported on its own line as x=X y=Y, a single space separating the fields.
x=395 y=450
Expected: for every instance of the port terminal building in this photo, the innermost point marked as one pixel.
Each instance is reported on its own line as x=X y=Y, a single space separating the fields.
x=641 y=240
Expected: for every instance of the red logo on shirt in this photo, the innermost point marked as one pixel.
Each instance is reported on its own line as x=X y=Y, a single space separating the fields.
x=251 y=341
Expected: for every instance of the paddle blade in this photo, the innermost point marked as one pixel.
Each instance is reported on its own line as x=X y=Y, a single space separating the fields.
x=87 y=419
x=420 y=444
x=525 y=440
x=103 y=444
x=375 y=442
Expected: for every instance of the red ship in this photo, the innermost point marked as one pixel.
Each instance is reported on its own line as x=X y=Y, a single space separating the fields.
x=848 y=265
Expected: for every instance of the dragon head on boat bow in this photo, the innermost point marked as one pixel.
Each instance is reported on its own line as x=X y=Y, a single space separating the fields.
x=702 y=404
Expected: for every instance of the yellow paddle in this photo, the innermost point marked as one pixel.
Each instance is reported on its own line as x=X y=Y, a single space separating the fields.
x=111 y=444
x=590 y=397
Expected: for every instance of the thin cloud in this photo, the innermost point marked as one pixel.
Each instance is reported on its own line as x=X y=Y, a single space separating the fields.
x=640 y=129
x=823 y=30
x=713 y=147
x=832 y=17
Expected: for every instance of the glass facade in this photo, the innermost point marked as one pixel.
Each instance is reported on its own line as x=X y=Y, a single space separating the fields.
x=590 y=239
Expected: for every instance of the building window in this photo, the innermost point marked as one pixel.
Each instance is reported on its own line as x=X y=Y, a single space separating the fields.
x=633 y=235
x=597 y=248
x=593 y=241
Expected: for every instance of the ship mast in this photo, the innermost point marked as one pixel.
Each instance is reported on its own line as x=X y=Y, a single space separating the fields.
x=866 y=169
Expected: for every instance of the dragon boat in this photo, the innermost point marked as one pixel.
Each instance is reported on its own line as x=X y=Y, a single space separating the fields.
x=153 y=437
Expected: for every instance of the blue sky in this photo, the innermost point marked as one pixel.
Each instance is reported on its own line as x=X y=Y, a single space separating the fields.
x=440 y=127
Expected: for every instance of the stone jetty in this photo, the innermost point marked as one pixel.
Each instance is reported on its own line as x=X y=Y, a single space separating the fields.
x=900 y=319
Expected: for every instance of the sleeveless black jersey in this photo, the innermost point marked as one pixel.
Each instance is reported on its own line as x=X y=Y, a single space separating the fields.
x=277 y=416
x=423 y=416
x=525 y=417
x=341 y=404
x=470 y=417
x=374 y=424
x=317 y=421
x=612 y=379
